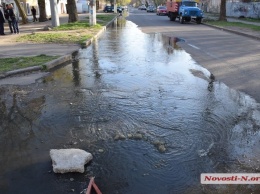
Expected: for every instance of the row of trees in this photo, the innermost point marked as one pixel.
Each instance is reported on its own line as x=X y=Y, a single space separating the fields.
x=71 y=9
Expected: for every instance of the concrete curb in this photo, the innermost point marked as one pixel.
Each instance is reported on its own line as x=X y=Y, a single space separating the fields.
x=24 y=70
x=54 y=63
x=233 y=31
x=88 y=42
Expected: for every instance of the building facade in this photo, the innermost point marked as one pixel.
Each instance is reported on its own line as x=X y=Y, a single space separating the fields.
x=82 y=6
x=234 y=8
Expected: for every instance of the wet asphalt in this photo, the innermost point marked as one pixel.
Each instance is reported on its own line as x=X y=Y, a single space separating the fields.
x=231 y=58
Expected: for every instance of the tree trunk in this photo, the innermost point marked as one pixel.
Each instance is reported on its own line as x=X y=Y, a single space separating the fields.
x=97 y=5
x=72 y=11
x=222 y=15
x=42 y=10
x=21 y=12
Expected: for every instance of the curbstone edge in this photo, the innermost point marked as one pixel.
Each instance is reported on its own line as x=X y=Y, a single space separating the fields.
x=59 y=61
x=233 y=31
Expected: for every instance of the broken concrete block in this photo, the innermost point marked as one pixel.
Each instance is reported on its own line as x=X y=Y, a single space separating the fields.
x=69 y=160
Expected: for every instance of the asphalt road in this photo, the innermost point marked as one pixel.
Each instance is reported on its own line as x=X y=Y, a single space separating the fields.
x=233 y=59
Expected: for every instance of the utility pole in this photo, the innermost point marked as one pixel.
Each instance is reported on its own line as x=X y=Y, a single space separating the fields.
x=54 y=13
x=89 y=12
x=93 y=13
x=115 y=7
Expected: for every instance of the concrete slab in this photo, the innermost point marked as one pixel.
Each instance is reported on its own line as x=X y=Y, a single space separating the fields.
x=69 y=160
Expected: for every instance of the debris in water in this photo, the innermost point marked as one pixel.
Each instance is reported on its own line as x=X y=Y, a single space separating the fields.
x=69 y=160
x=92 y=184
x=161 y=148
x=129 y=136
x=203 y=152
x=119 y=137
x=137 y=136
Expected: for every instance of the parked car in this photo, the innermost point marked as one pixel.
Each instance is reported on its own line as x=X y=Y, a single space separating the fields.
x=161 y=10
x=150 y=9
x=109 y=8
x=142 y=7
x=119 y=9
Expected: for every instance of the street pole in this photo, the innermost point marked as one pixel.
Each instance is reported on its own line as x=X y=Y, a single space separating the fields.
x=89 y=12
x=115 y=7
x=92 y=14
x=94 y=17
x=54 y=13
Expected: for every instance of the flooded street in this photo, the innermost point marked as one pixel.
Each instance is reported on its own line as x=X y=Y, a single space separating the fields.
x=152 y=117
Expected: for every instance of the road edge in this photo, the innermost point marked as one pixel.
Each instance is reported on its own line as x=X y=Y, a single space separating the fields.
x=233 y=31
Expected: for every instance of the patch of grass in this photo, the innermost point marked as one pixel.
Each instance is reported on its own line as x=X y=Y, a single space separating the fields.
x=73 y=26
x=69 y=33
x=101 y=21
x=250 y=19
x=57 y=37
x=235 y=24
x=105 y=18
x=8 y=64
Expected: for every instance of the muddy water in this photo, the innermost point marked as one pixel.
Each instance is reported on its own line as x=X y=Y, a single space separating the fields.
x=153 y=119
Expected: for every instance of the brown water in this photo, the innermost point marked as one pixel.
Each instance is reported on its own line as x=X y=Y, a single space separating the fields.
x=153 y=119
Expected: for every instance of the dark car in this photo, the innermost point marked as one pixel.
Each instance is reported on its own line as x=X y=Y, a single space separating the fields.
x=119 y=9
x=142 y=7
x=109 y=8
x=161 y=10
x=150 y=9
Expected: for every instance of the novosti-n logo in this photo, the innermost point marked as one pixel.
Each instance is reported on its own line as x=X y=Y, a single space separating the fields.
x=230 y=178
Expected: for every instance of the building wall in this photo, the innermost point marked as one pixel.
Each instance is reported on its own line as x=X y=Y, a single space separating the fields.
x=212 y=6
x=238 y=9
x=234 y=8
x=208 y=5
x=27 y=5
x=61 y=7
x=82 y=6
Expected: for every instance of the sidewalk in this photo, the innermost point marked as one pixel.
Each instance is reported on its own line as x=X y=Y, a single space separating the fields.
x=243 y=21
x=233 y=29
x=10 y=48
x=229 y=19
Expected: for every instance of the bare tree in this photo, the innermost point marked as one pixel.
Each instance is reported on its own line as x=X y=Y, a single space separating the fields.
x=222 y=15
x=159 y=2
x=72 y=11
x=123 y=2
x=21 y=11
x=42 y=10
